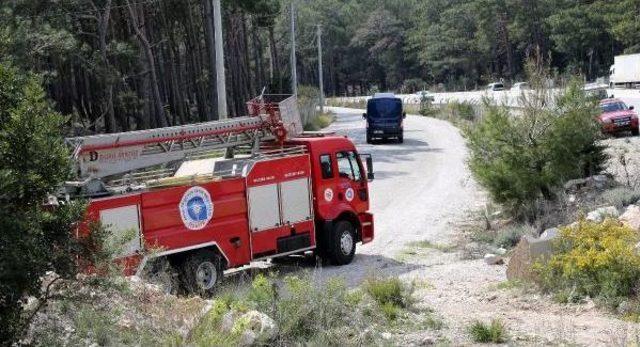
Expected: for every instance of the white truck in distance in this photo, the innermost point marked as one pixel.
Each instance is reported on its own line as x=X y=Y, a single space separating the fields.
x=625 y=71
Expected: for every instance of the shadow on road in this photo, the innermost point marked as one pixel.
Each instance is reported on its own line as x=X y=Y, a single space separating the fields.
x=364 y=266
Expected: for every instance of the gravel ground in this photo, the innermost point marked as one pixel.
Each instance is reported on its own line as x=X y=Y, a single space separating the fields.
x=624 y=162
x=422 y=191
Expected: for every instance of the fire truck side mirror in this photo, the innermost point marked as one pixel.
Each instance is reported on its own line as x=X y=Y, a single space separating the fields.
x=369 y=162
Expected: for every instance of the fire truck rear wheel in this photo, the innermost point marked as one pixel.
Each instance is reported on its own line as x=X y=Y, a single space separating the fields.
x=343 y=245
x=202 y=272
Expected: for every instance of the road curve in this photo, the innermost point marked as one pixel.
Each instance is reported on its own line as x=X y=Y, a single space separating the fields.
x=421 y=186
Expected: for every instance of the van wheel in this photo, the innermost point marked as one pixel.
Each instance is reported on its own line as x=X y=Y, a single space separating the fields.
x=202 y=272
x=343 y=243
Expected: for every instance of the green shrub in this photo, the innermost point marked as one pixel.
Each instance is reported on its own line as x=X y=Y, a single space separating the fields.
x=510 y=236
x=597 y=260
x=324 y=313
x=523 y=158
x=506 y=237
x=319 y=122
x=620 y=196
x=387 y=291
x=33 y=162
x=413 y=85
x=308 y=103
x=349 y=103
x=483 y=333
x=427 y=109
x=460 y=110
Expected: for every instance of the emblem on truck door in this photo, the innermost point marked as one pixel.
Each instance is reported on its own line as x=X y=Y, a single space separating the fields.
x=328 y=194
x=349 y=194
x=196 y=208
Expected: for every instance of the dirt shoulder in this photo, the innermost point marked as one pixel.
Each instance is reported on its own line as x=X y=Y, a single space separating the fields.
x=462 y=290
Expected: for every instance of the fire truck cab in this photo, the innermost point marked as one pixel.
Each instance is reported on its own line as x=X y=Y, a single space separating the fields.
x=288 y=196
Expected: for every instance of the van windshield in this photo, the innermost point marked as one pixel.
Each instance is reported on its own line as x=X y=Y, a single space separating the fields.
x=384 y=108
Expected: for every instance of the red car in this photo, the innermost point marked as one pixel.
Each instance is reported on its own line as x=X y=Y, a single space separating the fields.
x=617 y=117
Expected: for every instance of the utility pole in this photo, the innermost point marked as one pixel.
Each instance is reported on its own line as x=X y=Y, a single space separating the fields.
x=220 y=76
x=294 y=74
x=320 y=79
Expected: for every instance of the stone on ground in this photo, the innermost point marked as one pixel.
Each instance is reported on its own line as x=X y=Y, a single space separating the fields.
x=527 y=252
x=550 y=233
x=631 y=217
x=600 y=214
x=492 y=259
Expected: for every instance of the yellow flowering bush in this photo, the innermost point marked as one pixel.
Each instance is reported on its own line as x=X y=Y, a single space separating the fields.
x=593 y=259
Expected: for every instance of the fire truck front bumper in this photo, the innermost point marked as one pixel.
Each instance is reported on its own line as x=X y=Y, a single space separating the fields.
x=366 y=222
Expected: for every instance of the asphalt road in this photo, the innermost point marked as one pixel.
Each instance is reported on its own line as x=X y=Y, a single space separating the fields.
x=421 y=186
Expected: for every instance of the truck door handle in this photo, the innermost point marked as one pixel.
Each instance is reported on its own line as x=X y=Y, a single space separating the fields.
x=235 y=241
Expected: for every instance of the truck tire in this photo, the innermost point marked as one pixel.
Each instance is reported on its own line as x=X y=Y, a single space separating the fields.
x=401 y=138
x=369 y=138
x=342 y=243
x=202 y=272
x=163 y=274
x=635 y=132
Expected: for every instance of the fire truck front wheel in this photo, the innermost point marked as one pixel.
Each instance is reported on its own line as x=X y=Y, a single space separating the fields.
x=343 y=243
x=202 y=272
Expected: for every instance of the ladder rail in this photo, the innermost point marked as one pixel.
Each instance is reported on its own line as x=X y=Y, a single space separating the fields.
x=117 y=157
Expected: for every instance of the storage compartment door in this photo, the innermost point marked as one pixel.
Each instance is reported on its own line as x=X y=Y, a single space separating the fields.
x=296 y=201
x=123 y=224
x=264 y=209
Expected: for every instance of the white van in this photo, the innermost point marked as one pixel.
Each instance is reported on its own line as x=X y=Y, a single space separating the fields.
x=497 y=86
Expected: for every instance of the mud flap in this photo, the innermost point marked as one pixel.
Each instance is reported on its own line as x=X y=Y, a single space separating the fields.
x=366 y=223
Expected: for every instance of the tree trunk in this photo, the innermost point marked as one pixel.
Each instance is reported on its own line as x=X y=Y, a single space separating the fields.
x=103 y=27
x=275 y=63
x=137 y=20
x=211 y=50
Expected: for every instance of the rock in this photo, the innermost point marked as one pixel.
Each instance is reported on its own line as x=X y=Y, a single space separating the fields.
x=600 y=181
x=594 y=182
x=428 y=341
x=574 y=185
x=248 y=338
x=492 y=259
x=631 y=217
x=550 y=234
x=527 y=252
x=227 y=322
x=262 y=326
x=624 y=307
x=600 y=214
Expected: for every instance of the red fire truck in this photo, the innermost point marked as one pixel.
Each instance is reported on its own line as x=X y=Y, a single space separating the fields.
x=275 y=192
